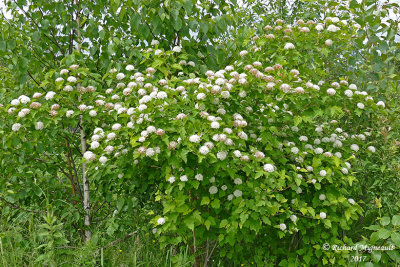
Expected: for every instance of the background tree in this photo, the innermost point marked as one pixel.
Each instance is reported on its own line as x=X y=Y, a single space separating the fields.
x=37 y=42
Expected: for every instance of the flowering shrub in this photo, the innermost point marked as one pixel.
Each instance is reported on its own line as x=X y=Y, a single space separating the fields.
x=258 y=153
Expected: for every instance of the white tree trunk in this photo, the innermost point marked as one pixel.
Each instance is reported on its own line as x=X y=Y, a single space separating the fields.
x=86 y=191
x=85 y=179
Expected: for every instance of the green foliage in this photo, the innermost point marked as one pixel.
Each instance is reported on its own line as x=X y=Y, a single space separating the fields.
x=385 y=236
x=53 y=238
x=252 y=157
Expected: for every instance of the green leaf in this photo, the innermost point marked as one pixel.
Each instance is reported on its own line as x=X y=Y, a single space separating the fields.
x=396 y=220
x=177 y=24
x=385 y=220
x=376 y=256
x=383 y=233
x=36 y=36
x=396 y=239
x=203 y=27
x=135 y=21
x=394 y=255
x=215 y=204
x=188 y=6
x=184 y=153
x=2 y=46
x=189 y=222
x=223 y=223
x=297 y=120
x=11 y=44
x=205 y=200
x=120 y=203
x=207 y=223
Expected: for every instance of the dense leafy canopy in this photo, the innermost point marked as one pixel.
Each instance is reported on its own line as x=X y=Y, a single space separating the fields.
x=229 y=140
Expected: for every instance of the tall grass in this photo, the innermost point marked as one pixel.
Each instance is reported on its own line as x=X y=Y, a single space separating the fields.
x=19 y=246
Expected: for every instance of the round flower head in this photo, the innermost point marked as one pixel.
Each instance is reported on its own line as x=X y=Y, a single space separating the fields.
x=213 y=190
x=199 y=177
x=293 y=218
x=318 y=150
x=111 y=136
x=71 y=79
x=322 y=197
x=381 y=104
x=204 y=150
x=348 y=93
x=39 y=125
x=243 y=53
x=238 y=181
x=116 y=127
x=92 y=113
x=37 y=95
x=74 y=67
x=294 y=150
x=177 y=49
x=354 y=147
x=89 y=156
x=68 y=88
x=332 y=28
x=201 y=96
x=360 y=105
x=215 y=125
x=372 y=149
x=129 y=67
x=194 y=138
x=269 y=168
x=225 y=94
x=237 y=153
x=15 y=127
x=160 y=221
x=351 y=201
x=353 y=86
x=322 y=173
x=120 y=76
x=282 y=226
x=155 y=42
x=161 y=95
x=237 y=193
x=24 y=99
x=288 y=46
x=103 y=159
x=221 y=155
x=319 y=27
x=69 y=113
x=171 y=179
x=303 y=138
x=322 y=215
x=331 y=91
x=64 y=71
x=49 y=95
x=328 y=42
x=94 y=145
x=183 y=178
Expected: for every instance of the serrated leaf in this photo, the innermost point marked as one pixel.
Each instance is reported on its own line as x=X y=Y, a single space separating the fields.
x=215 y=204
x=383 y=233
x=385 y=220
x=205 y=200
x=396 y=220
x=189 y=222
